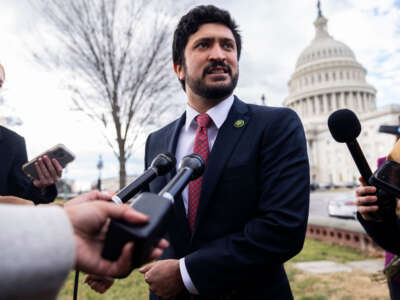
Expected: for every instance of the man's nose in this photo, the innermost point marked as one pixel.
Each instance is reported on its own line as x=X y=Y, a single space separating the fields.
x=217 y=53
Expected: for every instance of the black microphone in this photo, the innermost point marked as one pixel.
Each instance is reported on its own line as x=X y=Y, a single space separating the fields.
x=345 y=128
x=157 y=207
x=161 y=164
x=389 y=129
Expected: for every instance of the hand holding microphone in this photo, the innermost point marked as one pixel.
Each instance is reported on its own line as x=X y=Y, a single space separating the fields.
x=157 y=207
x=345 y=128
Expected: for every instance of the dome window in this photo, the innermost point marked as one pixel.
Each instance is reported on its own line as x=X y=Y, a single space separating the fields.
x=341 y=75
x=333 y=76
x=319 y=77
x=327 y=76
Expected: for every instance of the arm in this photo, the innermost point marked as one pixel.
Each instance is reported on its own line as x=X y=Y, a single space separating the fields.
x=382 y=233
x=20 y=185
x=38 y=251
x=277 y=230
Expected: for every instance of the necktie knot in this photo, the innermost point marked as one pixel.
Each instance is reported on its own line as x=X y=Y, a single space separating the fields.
x=203 y=120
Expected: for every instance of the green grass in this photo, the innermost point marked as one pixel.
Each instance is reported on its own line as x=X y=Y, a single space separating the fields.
x=315 y=250
x=304 y=287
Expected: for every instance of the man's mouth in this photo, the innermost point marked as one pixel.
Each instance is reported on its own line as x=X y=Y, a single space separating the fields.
x=218 y=70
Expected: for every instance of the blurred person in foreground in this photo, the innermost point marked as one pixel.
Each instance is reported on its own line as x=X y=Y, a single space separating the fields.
x=382 y=232
x=40 y=245
x=13 y=180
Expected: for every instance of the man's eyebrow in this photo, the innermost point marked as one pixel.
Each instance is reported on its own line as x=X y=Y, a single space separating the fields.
x=210 y=39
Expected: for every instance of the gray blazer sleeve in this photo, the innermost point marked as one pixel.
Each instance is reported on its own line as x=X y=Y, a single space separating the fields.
x=37 y=251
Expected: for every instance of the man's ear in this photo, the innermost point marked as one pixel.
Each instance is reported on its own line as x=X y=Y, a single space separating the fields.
x=178 y=69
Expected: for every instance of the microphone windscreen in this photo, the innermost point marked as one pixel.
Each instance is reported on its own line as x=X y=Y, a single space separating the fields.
x=344 y=125
x=389 y=129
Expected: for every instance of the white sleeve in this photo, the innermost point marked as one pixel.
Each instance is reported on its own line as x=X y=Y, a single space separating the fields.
x=187 y=281
x=37 y=251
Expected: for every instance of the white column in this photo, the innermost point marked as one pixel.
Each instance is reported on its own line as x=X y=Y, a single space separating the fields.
x=309 y=106
x=362 y=97
x=341 y=100
x=325 y=103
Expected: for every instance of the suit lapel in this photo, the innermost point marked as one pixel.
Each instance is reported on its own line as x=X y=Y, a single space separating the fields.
x=227 y=138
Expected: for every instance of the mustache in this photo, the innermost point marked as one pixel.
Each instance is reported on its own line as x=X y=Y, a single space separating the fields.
x=215 y=64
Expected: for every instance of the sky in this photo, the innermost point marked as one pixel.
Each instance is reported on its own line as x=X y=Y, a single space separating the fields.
x=274 y=34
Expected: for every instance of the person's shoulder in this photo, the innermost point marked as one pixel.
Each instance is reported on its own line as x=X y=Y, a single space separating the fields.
x=8 y=134
x=272 y=113
x=166 y=129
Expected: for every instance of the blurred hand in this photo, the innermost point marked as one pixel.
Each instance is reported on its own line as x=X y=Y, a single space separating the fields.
x=363 y=201
x=90 y=222
x=88 y=197
x=98 y=283
x=49 y=172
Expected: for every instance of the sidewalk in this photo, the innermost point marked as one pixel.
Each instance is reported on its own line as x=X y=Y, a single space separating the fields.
x=325 y=266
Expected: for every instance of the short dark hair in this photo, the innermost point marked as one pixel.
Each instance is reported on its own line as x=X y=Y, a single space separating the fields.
x=191 y=22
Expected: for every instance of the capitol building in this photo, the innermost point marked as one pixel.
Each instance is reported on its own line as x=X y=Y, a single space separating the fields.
x=328 y=77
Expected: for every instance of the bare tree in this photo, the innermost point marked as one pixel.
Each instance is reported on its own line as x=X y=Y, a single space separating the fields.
x=116 y=56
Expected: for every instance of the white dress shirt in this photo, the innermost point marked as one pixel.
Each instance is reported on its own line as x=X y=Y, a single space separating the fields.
x=218 y=115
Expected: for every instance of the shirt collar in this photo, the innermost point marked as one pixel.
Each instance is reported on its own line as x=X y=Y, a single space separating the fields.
x=217 y=113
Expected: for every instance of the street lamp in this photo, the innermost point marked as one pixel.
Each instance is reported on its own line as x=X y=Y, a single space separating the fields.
x=263 y=99
x=99 y=167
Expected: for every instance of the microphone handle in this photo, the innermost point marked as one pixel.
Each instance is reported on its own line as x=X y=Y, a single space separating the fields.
x=177 y=183
x=134 y=187
x=359 y=159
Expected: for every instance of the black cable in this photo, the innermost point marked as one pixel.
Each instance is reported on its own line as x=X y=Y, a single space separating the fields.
x=76 y=285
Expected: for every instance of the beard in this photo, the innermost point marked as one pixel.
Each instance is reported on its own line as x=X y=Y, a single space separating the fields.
x=212 y=92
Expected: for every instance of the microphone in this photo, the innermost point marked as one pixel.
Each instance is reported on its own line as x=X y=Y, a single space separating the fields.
x=389 y=129
x=345 y=128
x=161 y=164
x=158 y=208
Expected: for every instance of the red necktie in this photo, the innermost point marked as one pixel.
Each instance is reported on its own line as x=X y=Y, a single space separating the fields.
x=200 y=147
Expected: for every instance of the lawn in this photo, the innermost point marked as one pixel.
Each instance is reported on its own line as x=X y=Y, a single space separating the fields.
x=337 y=286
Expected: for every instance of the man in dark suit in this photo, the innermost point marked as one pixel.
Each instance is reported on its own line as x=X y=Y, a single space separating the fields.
x=14 y=182
x=231 y=232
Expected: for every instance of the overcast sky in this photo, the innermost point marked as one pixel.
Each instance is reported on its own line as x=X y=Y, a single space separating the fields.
x=274 y=34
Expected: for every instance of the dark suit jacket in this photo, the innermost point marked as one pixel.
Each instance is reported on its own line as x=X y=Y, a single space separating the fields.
x=386 y=234
x=253 y=207
x=13 y=181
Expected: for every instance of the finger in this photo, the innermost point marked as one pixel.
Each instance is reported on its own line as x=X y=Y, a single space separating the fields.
x=45 y=172
x=96 y=195
x=124 y=212
x=361 y=191
x=87 y=278
x=163 y=243
x=156 y=253
x=50 y=168
x=122 y=266
x=146 y=268
x=366 y=201
x=39 y=172
x=362 y=181
x=58 y=167
x=367 y=209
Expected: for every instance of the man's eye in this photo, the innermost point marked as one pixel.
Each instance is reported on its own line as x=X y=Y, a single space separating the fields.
x=202 y=45
x=228 y=46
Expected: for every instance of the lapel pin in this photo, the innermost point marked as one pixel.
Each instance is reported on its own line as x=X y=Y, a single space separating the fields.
x=238 y=123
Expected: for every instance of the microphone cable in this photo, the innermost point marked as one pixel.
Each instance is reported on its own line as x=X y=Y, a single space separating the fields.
x=75 y=297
